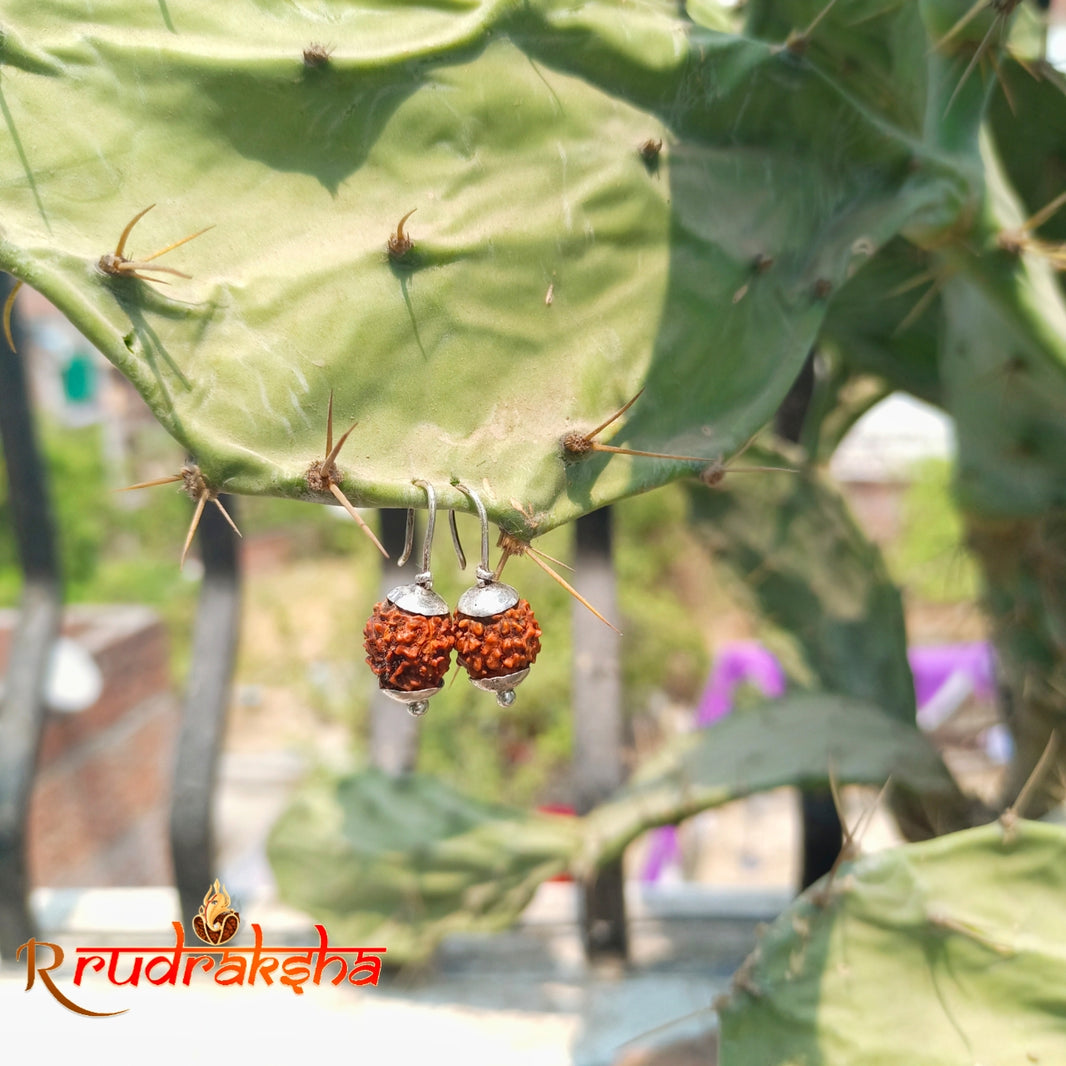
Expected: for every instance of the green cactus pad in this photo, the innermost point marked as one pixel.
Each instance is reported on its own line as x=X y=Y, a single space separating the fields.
x=812 y=572
x=514 y=131
x=405 y=861
x=934 y=954
x=798 y=740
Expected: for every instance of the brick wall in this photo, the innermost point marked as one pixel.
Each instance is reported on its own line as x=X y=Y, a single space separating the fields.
x=100 y=805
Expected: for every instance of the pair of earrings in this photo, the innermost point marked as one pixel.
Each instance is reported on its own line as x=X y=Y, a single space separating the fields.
x=411 y=634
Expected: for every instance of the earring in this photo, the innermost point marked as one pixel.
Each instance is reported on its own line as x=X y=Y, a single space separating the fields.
x=497 y=637
x=409 y=636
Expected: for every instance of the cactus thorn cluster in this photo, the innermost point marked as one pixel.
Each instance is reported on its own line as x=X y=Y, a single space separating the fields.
x=317 y=55
x=198 y=490
x=512 y=545
x=118 y=265
x=400 y=243
x=323 y=477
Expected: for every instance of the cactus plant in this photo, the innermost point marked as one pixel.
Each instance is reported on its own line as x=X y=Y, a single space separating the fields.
x=815 y=735
x=548 y=273
x=485 y=228
x=407 y=861
x=815 y=577
x=820 y=580
x=936 y=953
x=976 y=326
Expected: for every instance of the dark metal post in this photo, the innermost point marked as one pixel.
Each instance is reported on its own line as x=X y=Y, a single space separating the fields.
x=393 y=732
x=207 y=698
x=598 y=726
x=22 y=711
x=823 y=835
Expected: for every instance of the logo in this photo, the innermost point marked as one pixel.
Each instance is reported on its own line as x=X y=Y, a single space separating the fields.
x=216 y=924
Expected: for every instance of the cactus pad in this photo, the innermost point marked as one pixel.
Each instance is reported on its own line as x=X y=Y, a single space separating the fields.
x=543 y=272
x=939 y=953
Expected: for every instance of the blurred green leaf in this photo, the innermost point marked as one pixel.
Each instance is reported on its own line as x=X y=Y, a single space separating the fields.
x=815 y=574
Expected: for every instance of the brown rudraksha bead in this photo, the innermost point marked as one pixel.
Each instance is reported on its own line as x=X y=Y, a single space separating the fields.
x=501 y=644
x=408 y=652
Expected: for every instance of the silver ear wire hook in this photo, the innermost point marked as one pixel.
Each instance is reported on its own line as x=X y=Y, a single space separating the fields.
x=483 y=572
x=459 y=553
x=419 y=598
x=408 y=537
x=425 y=578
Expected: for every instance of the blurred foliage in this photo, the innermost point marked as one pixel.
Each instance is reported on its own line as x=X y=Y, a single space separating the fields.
x=665 y=587
x=405 y=861
x=929 y=558
x=83 y=511
x=109 y=552
x=814 y=574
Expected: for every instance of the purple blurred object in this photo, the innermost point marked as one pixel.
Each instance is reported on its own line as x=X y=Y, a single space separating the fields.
x=737 y=663
x=663 y=849
x=734 y=665
x=945 y=674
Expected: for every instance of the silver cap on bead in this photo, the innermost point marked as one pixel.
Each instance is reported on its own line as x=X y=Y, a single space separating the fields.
x=418 y=598
x=487 y=597
x=417 y=701
x=503 y=686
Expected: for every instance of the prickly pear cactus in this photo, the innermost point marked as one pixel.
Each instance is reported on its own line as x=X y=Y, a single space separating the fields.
x=404 y=861
x=976 y=323
x=802 y=739
x=937 y=954
x=553 y=259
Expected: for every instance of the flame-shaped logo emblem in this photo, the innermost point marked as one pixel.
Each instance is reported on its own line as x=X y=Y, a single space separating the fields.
x=217 y=922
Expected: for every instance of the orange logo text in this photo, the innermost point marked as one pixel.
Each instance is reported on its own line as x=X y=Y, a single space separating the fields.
x=293 y=967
